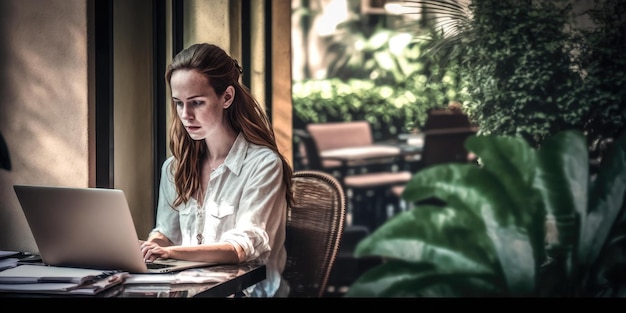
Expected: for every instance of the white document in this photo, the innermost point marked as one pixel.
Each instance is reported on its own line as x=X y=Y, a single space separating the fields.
x=90 y=288
x=8 y=263
x=24 y=274
x=4 y=254
x=190 y=276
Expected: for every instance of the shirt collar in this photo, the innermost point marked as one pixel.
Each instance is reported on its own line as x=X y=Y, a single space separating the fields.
x=237 y=154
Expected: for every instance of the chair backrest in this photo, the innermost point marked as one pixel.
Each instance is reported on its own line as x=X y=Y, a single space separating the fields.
x=446 y=145
x=308 y=150
x=314 y=230
x=341 y=134
x=445 y=118
x=310 y=154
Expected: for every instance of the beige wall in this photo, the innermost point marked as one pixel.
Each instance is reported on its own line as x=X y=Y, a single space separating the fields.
x=43 y=103
x=207 y=21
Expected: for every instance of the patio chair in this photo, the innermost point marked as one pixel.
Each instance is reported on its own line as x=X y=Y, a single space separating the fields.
x=368 y=194
x=315 y=226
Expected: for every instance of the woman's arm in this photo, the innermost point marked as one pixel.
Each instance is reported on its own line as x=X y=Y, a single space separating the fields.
x=222 y=252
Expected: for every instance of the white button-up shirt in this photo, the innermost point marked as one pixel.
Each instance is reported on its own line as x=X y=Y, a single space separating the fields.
x=245 y=205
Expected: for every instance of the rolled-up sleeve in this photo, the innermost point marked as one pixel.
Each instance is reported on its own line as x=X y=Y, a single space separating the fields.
x=261 y=209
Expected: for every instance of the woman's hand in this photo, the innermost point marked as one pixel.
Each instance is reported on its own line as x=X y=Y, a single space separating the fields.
x=151 y=251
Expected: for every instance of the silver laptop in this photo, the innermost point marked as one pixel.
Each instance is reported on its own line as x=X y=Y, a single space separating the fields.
x=88 y=227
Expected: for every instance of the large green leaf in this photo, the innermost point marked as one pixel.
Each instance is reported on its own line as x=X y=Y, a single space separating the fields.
x=606 y=200
x=516 y=256
x=562 y=180
x=563 y=174
x=465 y=187
x=503 y=154
x=483 y=192
x=513 y=161
x=453 y=239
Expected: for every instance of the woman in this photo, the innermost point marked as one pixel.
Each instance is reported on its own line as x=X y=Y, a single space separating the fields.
x=224 y=192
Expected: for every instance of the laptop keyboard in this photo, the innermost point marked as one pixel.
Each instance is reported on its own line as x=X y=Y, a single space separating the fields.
x=156 y=266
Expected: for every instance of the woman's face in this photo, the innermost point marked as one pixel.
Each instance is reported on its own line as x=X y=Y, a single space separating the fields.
x=198 y=107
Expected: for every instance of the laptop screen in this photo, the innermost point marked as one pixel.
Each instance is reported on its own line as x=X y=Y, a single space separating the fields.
x=88 y=227
x=83 y=227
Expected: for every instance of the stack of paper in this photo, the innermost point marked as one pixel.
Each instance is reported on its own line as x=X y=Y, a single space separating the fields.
x=58 y=280
x=8 y=263
x=8 y=259
x=190 y=276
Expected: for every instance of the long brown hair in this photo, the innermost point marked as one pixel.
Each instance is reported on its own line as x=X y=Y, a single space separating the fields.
x=244 y=115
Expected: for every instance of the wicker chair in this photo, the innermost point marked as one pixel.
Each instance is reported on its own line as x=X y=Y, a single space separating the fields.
x=314 y=230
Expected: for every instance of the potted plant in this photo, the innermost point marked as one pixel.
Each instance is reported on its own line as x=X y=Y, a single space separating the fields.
x=486 y=235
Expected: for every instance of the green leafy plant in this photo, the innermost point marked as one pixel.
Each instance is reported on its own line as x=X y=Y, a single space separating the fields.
x=534 y=68
x=379 y=75
x=601 y=58
x=485 y=235
x=519 y=70
x=389 y=110
x=395 y=97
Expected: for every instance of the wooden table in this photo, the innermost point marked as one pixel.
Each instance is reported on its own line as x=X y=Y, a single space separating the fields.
x=370 y=171
x=375 y=154
x=219 y=281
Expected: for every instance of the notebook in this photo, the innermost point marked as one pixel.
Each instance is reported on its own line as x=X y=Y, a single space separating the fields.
x=88 y=228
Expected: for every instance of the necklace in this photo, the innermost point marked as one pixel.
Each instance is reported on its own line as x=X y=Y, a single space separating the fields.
x=200 y=212
x=200 y=217
x=200 y=223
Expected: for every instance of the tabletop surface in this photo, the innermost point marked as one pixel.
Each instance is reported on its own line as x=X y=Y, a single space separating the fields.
x=212 y=281
x=375 y=151
x=361 y=152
